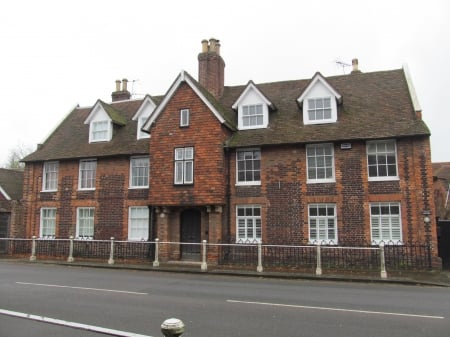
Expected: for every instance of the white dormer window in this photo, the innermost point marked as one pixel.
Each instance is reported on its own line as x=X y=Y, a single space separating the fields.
x=141 y=134
x=142 y=115
x=100 y=131
x=253 y=108
x=319 y=101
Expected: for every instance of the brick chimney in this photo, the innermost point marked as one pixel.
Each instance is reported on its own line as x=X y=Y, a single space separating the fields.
x=355 y=66
x=211 y=67
x=121 y=94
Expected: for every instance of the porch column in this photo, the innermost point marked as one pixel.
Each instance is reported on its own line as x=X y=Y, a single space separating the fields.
x=162 y=232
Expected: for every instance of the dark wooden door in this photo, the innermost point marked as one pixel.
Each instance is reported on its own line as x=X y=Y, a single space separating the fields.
x=443 y=227
x=190 y=234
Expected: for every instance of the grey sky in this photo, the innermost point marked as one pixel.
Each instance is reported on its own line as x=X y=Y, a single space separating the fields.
x=56 y=54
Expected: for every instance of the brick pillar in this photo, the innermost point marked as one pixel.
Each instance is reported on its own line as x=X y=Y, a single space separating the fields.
x=162 y=232
x=215 y=232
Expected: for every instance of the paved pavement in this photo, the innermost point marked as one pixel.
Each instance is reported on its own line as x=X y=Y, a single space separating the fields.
x=426 y=278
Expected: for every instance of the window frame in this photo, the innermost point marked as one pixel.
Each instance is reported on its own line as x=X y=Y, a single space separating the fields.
x=131 y=179
x=50 y=176
x=140 y=123
x=389 y=217
x=93 y=131
x=44 y=222
x=184 y=117
x=324 y=226
x=256 y=225
x=308 y=109
x=81 y=175
x=183 y=165
x=132 y=221
x=379 y=154
x=331 y=179
x=85 y=218
x=245 y=170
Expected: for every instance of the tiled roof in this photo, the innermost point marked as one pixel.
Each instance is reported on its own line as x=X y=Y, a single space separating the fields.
x=11 y=181
x=374 y=106
x=441 y=170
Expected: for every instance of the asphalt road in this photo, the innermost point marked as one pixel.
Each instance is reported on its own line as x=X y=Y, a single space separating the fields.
x=211 y=305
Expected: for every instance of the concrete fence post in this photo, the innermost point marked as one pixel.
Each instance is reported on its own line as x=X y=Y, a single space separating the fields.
x=33 y=249
x=172 y=327
x=319 y=260
x=111 y=252
x=383 y=273
x=156 y=261
x=259 y=268
x=204 y=266
x=70 y=258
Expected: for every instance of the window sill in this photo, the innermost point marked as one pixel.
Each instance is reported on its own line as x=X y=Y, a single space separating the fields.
x=48 y=191
x=253 y=183
x=86 y=189
x=321 y=181
x=384 y=178
x=138 y=187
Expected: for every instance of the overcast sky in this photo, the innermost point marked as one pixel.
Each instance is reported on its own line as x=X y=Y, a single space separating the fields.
x=57 y=54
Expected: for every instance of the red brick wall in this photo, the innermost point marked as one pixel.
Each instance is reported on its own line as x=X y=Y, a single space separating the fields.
x=111 y=198
x=206 y=135
x=284 y=193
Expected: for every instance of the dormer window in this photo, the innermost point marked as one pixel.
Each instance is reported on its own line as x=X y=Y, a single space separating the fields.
x=141 y=116
x=253 y=108
x=319 y=109
x=100 y=131
x=319 y=101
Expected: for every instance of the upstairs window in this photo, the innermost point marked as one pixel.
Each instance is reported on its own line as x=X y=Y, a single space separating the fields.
x=320 y=162
x=139 y=172
x=382 y=160
x=86 y=178
x=50 y=176
x=248 y=163
x=100 y=131
x=319 y=109
x=184 y=166
x=184 y=117
x=142 y=134
x=252 y=116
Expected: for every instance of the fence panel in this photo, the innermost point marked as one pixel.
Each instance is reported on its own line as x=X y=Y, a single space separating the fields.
x=289 y=256
x=143 y=251
x=94 y=249
x=238 y=255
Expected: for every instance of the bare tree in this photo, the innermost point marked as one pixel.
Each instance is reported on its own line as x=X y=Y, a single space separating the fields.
x=15 y=155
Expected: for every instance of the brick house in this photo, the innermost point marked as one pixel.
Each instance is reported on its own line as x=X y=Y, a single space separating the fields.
x=11 y=210
x=339 y=160
x=441 y=184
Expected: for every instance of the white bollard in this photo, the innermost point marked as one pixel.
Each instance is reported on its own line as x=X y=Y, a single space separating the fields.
x=172 y=327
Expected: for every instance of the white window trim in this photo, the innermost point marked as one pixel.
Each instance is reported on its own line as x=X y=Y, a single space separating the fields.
x=79 y=175
x=141 y=134
x=255 y=240
x=248 y=183
x=44 y=176
x=42 y=220
x=108 y=131
x=324 y=180
x=130 y=238
x=77 y=234
x=325 y=241
x=333 y=106
x=184 y=122
x=386 y=178
x=130 y=185
x=265 y=114
x=184 y=161
x=389 y=241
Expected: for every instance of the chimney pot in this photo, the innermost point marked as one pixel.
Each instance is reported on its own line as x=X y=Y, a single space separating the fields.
x=117 y=85
x=355 y=65
x=124 y=84
x=212 y=44
x=204 y=46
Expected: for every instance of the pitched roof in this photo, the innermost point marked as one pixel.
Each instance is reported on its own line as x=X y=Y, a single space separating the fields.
x=11 y=183
x=441 y=170
x=375 y=105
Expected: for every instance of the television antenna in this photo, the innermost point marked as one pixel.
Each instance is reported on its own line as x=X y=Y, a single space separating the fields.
x=342 y=64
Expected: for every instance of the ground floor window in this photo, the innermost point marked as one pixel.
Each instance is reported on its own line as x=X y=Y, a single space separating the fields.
x=85 y=223
x=248 y=220
x=138 y=223
x=385 y=222
x=48 y=223
x=322 y=223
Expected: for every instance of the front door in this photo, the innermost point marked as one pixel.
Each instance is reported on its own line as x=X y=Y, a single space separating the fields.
x=190 y=233
x=4 y=221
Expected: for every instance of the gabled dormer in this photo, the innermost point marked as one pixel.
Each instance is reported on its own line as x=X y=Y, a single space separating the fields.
x=143 y=113
x=252 y=107
x=101 y=120
x=319 y=101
